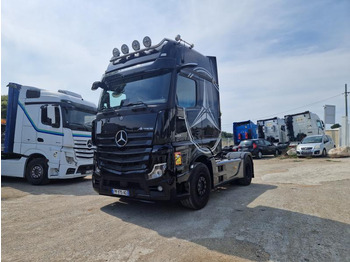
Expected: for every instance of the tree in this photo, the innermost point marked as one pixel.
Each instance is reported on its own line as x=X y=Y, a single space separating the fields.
x=4 y=106
x=335 y=126
x=226 y=134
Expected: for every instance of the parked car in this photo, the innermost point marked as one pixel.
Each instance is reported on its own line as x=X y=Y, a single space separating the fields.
x=318 y=145
x=228 y=149
x=258 y=147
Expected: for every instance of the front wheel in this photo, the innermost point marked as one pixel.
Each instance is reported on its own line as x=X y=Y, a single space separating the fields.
x=199 y=188
x=277 y=152
x=324 y=152
x=37 y=172
x=248 y=173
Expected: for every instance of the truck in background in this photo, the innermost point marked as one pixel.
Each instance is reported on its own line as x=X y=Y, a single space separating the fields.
x=303 y=124
x=158 y=127
x=244 y=130
x=47 y=135
x=273 y=130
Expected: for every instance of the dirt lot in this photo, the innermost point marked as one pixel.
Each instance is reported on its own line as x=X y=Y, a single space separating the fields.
x=295 y=210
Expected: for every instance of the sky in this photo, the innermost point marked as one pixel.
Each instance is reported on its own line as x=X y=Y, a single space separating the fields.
x=274 y=57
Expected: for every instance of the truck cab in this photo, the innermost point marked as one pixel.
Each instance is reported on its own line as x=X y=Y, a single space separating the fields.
x=158 y=127
x=303 y=124
x=272 y=129
x=47 y=135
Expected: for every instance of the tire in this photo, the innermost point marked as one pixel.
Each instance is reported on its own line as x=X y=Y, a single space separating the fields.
x=248 y=173
x=199 y=188
x=259 y=154
x=324 y=152
x=277 y=152
x=37 y=172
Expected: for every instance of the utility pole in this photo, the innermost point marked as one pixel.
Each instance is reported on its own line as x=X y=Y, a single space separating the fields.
x=346 y=127
x=346 y=100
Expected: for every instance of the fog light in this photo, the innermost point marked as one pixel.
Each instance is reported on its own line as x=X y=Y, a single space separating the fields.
x=158 y=171
x=136 y=45
x=116 y=52
x=125 y=49
x=147 y=42
x=160 y=188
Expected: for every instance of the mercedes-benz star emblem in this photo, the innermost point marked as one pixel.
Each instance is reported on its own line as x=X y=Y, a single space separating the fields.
x=89 y=143
x=121 y=138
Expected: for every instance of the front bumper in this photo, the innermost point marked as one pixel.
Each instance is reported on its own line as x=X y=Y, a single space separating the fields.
x=313 y=152
x=136 y=186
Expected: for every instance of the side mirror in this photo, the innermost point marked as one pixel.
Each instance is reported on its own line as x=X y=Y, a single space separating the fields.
x=98 y=84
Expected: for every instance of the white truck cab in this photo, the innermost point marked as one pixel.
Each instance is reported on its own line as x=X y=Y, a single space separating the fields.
x=303 y=124
x=48 y=135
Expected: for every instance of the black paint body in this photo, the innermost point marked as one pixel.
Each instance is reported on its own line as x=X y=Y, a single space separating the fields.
x=156 y=131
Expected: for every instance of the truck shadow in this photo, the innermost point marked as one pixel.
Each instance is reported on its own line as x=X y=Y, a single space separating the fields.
x=75 y=186
x=229 y=226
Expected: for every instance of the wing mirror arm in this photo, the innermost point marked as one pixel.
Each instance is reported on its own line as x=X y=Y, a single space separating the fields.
x=98 y=84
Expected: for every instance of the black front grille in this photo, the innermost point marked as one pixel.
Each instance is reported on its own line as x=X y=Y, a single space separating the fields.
x=132 y=158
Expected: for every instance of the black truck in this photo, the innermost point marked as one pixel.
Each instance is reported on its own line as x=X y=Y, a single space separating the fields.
x=158 y=128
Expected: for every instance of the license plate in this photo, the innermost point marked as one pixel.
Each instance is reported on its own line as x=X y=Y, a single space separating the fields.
x=306 y=153
x=120 y=192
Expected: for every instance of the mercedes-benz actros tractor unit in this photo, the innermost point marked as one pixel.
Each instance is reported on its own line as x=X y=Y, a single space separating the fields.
x=158 y=129
x=47 y=135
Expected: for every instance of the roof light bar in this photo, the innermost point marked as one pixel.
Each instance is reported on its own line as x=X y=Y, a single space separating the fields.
x=178 y=39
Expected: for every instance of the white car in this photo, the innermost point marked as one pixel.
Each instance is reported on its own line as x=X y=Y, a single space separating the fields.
x=315 y=146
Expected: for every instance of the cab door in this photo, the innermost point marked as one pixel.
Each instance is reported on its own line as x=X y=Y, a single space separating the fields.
x=50 y=132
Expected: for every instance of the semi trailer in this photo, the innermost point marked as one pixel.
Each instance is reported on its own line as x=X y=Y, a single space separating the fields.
x=158 y=127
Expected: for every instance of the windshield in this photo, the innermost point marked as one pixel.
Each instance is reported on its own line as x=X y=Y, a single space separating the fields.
x=312 y=139
x=78 y=119
x=139 y=90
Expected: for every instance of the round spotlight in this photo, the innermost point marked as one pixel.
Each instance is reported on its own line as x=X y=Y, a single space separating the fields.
x=147 y=42
x=116 y=52
x=125 y=49
x=177 y=38
x=136 y=45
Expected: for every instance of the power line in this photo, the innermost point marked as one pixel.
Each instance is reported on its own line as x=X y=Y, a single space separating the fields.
x=302 y=106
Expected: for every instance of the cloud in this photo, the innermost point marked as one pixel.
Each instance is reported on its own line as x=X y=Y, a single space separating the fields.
x=272 y=55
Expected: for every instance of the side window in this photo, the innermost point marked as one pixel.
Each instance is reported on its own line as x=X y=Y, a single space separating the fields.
x=186 y=92
x=325 y=138
x=50 y=115
x=267 y=143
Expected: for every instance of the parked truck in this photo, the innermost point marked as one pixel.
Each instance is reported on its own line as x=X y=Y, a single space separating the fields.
x=303 y=124
x=158 y=126
x=47 y=135
x=273 y=130
x=244 y=130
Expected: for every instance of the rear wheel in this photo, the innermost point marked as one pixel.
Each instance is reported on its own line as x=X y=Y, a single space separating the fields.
x=248 y=173
x=199 y=187
x=259 y=154
x=37 y=171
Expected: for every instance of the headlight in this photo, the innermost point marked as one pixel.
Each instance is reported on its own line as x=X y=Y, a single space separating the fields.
x=158 y=171
x=317 y=147
x=70 y=160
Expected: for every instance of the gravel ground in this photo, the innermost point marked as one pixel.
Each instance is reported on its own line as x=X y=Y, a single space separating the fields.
x=295 y=210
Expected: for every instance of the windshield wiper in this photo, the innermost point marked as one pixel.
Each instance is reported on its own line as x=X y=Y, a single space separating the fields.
x=125 y=103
